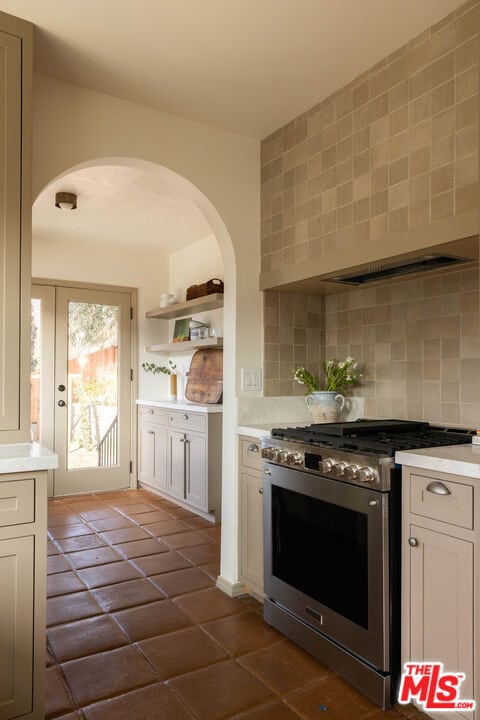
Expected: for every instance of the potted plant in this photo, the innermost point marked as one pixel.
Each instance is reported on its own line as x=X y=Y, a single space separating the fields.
x=326 y=399
x=169 y=370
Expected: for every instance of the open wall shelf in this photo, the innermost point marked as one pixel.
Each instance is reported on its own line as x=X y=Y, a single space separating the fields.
x=185 y=309
x=185 y=346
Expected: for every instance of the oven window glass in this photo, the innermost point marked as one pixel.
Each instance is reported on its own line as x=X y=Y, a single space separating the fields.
x=321 y=550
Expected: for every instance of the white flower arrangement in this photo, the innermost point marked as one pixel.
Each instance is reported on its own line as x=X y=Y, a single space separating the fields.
x=339 y=374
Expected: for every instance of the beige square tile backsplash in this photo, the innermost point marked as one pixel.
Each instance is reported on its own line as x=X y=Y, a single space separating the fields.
x=395 y=149
x=418 y=342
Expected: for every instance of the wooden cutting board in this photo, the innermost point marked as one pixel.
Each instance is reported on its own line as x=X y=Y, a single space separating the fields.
x=205 y=379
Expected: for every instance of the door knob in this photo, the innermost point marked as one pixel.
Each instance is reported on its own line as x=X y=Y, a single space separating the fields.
x=61 y=403
x=61 y=388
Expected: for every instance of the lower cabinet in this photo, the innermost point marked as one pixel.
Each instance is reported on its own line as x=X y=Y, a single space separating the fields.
x=439 y=550
x=23 y=540
x=180 y=456
x=251 y=515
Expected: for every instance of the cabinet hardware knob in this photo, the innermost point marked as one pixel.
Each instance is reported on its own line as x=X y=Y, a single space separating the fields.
x=151 y=432
x=151 y=412
x=260 y=490
x=61 y=403
x=438 y=488
x=61 y=388
x=412 y=541
x=184 y=417
x=253 y=448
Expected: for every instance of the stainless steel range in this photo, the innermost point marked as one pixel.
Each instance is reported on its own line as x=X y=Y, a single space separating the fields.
x=332 y=508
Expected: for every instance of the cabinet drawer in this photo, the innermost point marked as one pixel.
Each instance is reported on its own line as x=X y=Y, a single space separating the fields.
x=188 y=421
x=153 y=414
x=454 y=506
x=17 y=502
x=251 y=454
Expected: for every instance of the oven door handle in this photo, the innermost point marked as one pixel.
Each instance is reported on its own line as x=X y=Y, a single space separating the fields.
x=438 y=488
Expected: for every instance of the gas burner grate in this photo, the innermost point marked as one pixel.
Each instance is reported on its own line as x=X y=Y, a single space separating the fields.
x=384 y=437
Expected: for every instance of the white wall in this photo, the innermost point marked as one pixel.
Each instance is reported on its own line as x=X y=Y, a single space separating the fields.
x=219 y=170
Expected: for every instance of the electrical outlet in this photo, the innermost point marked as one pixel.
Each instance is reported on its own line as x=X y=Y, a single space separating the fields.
x=251 y=379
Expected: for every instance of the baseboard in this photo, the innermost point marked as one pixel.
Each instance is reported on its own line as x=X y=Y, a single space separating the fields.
x=231 y=589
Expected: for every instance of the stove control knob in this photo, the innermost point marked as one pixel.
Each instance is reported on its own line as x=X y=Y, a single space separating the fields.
x=352 y=472
x=339 y=469
x=367 y=474
x=294 y=458
x=326 y=466
x=282 y=456
x=267 y=453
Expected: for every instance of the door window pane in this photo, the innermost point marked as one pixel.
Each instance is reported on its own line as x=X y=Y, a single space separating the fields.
x=92 y=385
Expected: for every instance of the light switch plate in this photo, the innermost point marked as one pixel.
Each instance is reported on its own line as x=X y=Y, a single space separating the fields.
x=251 y=379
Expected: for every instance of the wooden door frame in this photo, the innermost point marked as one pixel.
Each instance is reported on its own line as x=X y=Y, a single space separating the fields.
x=133 y=292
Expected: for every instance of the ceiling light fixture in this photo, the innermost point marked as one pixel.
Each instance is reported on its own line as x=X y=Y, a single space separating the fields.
x=66 y=201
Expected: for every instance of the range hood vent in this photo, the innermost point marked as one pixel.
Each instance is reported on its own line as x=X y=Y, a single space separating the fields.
x=395 y=269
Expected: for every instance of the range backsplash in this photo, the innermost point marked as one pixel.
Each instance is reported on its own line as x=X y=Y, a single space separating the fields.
x=418 y=341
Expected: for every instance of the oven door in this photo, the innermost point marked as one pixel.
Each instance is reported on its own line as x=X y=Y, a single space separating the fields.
x=326 y=558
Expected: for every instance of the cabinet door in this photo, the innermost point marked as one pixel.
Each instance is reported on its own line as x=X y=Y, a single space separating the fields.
x=10 y=194
x=152 y=455
x=196 y=471
x=441 y=602
x=16 y=637
x=146 y=453
x=251 y=528
x=176 y=465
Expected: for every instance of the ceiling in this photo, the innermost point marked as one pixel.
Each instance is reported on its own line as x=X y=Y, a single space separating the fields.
x=120 y=206
x=248 y=66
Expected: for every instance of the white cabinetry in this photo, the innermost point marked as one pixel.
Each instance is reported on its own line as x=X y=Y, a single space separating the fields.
x=251 y=515
x=23 y=538
x=440 y=551
x=180 y=456
x=15 y=214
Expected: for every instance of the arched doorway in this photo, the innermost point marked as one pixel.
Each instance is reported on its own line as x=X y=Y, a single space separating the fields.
x=55 y=257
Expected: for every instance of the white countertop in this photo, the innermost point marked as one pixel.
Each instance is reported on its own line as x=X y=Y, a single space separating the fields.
x=182 y=405
x=259 y=430
x=456 y=459
x=26 y=457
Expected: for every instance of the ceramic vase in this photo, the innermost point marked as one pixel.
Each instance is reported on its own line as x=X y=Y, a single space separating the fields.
x=325 y=405
x=173 y=387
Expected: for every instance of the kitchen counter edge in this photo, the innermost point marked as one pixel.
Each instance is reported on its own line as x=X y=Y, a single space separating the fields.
x=182 y=405
x=260 y=430
x=454 y=459
x=26 y=457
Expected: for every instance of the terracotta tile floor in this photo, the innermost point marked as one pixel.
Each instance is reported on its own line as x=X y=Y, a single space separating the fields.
x=138 y=631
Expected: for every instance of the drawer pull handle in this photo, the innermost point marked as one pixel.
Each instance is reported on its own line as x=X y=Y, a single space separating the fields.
x=253 y=448
x=184 y=417
x=151 y=432
x=438 y=488
x=413 y=542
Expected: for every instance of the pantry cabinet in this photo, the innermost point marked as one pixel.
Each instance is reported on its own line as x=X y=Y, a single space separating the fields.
x=15 y=227
x=23 y=541
x=251 y=515
x=440 y=553
x=180 y=456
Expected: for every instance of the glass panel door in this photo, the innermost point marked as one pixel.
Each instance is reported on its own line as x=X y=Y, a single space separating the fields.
x=92 y=390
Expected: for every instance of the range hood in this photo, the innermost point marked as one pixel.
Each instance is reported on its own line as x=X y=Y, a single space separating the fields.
x=384 y=271
x=398 y=267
